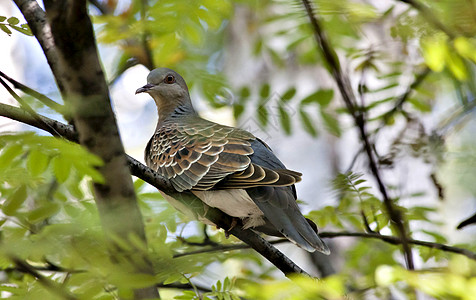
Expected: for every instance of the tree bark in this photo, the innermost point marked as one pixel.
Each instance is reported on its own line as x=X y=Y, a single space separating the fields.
x=66 y=35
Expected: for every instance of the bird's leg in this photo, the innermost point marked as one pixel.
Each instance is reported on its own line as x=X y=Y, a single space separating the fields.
x=234 y=221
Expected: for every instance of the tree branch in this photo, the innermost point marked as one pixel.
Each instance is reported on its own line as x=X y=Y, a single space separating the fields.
x=45 y=281
x=23 y=103
x=149 y=59
x=348 y=96
x=325 y=234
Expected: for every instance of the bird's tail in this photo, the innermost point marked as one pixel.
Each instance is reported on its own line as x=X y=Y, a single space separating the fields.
x=285 y=216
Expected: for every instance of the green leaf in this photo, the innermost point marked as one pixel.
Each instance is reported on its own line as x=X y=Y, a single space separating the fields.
x=226 y=284
x=132 y=280
x=89 y=170
x=322 y=97
x=262 y=115
x=173 y=278
x=15 y=201
x=213 y=20
x=37 y=162
x=244 y=94
x=2 y=18
x=264 y=91
x=307 y=123
x=193 y=34
x=138 y=184
x=258 y=47
x=331 y=123
x=187 y=295
x=386 y=87
x=465 y=47
x=5 y=29
x=13 y=21
x=22 y=29
x=238 y=110
x=285 y=120
x=420 y=105
x=439 y=238
x=9 y=154
x=61 y=168
x=275 y=57
x=289 y=94
x=43 y=212
x=456 y=65
x=434 y=52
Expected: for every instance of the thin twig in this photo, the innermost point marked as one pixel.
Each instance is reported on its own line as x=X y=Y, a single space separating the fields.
x=24 y=105
x=149 y=63
x=349 y=100
x=419 y=78
x=223 y=248
x=466 y=222
x=29 y=91
x=49 y=268
x=54 y=127
x=46 y=282
x=206 y=242
x=354 y=159
x=386 y=238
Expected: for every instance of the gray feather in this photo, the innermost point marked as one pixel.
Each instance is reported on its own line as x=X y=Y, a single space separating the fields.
x=279 y=204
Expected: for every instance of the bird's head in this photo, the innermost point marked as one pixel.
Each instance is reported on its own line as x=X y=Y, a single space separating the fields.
x=168 y=89
x=164 y=83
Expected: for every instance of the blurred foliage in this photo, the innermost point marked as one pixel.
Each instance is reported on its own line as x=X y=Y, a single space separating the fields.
x=49 y=220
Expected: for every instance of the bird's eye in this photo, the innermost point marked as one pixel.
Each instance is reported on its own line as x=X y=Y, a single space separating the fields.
x=169 y=79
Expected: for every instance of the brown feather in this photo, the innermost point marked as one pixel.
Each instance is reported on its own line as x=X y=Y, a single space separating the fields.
x=240 y=149
x=233 y=162
x=198 y=169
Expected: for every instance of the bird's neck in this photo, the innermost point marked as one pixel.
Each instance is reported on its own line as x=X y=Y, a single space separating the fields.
x=168 y=110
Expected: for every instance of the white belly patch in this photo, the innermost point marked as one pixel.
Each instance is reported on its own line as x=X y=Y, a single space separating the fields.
x=236 y=203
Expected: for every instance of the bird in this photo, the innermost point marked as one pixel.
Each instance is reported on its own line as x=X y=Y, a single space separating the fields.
x=227 y=168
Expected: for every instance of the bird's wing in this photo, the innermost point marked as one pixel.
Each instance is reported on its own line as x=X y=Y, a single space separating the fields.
x=204 y=155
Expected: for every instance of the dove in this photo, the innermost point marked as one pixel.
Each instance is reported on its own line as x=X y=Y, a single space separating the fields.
x=227 y=168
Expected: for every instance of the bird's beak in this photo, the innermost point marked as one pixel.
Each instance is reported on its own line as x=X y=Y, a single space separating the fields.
x=145 y=88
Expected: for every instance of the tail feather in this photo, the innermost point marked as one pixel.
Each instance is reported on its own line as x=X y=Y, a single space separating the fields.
x=287 y=219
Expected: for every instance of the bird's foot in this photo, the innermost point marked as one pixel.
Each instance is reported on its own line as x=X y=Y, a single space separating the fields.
x=234 y=221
